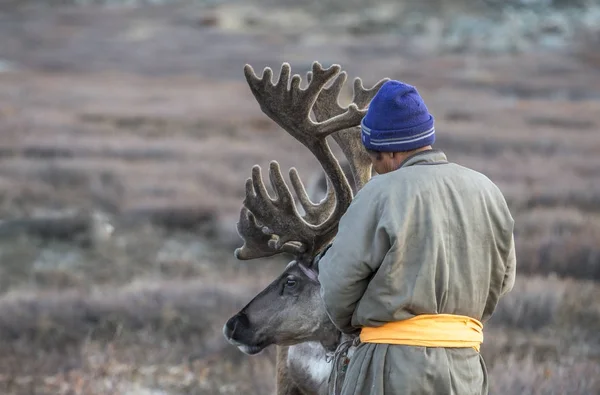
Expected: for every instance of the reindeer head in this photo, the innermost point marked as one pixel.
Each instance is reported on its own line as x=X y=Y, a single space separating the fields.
x=290 y=310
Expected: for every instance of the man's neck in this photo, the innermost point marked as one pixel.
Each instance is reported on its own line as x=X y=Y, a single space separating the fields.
x=400 y=157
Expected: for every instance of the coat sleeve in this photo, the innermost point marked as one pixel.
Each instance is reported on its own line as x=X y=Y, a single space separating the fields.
x=360 y=246
x=511 y=269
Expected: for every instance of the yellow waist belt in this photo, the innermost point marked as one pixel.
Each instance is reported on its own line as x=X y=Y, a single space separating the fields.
x=428 y=330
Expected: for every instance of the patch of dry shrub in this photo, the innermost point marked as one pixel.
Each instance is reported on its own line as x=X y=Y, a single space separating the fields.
x=106 y=369
x=72 y=316
x=568 y=376
x=502 y=344
x=184 y=313
x=576 y=256
x=564 y=241
x=588 y=44
x=587 y=199
x=132 y=252
x=533 y=303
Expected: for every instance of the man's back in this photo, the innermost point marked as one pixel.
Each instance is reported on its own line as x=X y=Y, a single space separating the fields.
x=450 y=238
x=432 y=238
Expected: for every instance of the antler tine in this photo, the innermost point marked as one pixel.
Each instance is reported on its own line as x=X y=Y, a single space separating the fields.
x=327 y=106
x=256 y=243
x=362 y=96
x=315 y=213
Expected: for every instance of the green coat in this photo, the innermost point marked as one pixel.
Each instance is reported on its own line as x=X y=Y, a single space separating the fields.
x=431 y=237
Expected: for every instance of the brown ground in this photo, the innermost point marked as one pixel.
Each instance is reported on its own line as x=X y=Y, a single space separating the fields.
x=144 y=114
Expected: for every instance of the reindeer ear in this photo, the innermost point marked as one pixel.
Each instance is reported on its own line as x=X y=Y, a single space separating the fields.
x=315 y=262
x=315 y=265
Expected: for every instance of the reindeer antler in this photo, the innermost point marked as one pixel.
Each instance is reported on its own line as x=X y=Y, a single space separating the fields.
x=273 y=225
x=349 y=140
x=297 y=102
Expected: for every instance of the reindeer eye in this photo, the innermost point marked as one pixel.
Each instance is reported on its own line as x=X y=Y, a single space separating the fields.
x=290 y=282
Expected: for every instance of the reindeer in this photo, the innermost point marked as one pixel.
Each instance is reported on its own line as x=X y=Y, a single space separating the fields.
x=289 y=313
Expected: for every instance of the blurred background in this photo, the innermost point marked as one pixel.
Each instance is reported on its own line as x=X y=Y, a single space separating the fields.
x=127 y=131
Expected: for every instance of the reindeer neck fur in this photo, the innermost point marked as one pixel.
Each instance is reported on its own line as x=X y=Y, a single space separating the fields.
x=309 y=365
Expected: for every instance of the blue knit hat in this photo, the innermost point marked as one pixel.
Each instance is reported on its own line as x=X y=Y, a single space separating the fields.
x=397 y=120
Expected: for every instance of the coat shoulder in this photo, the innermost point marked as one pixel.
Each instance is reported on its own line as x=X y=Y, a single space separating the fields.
x=372 y=190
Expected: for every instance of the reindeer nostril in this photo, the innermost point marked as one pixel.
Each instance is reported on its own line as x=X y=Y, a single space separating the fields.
x=243 y=320
x=235 y=322
x=230 y=326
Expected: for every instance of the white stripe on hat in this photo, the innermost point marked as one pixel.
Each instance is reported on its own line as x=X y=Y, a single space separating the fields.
x=391 y=142
x=407 y=138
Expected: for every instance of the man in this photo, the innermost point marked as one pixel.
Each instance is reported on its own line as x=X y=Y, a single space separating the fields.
x=421 y=258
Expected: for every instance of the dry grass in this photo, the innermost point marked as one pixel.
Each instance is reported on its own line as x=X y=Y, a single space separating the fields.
x=569 y=376
x=149 y=321
x=533 y=305
x=562 y=240
x=103 y=374
x=154 y=324
x=587 y=48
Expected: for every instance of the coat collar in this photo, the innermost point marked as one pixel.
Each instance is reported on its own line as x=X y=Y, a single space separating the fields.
x=428 y=157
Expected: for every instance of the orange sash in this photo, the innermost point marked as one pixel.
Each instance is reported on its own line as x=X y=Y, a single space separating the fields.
x=428 y=330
